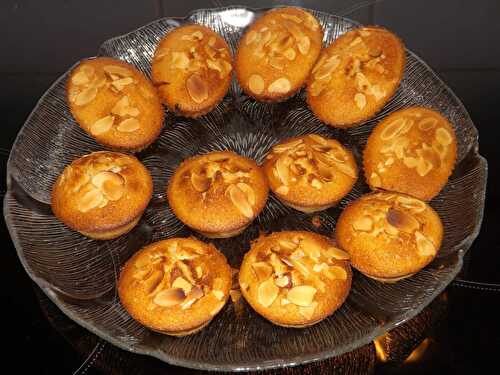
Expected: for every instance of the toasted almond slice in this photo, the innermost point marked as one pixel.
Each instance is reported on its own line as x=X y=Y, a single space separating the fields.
x=375 y=180
x=194 y=295
x=283 y=190
x=181 y=283
x=262 y=270
x=201 y=183
x=360 y=100
x=304 y=45
x=301 y=295
x=128 y=125
x=423 y=167
x=287 y=146
x=249 y=192
x=443 y=136
x=277 y=62
x=402 y=220
x=86 y=96
x=141 y=274
x=311 y=248
x=239 y=199
x=152 y=282
x=256 y=84
x=393 y=129
x=102 y=125
x=326 y=69
x=427 y=123
x=80 y=78
x=308 y=311
x=117 y=70
x=363 y=224
x=290 y=54
x=180 y=60
x=425 y=246
x=287 y=244
x=282 y=281
x=197 y=88
x=282 y=169
x=90 y=200
x=219 y=294
x=280 y=86
x=267 y=292
x=251 y=37
x=291 y=17
x=121 y=106
x=334 y=252
x=214 y=65
x=336 y=273
x=411 y=203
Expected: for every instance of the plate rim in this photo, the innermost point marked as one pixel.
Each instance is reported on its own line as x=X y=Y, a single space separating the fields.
x=51 y=291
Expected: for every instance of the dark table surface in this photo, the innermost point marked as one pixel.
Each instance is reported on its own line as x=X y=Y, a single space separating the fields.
x=42 y=39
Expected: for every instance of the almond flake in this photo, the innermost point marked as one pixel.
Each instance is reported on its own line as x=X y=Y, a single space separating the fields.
x=302 y=295
x=128 y=125
x=256 y=84
x=169 y=297
x=280 y=86
x=102 y=125
x=267 y=292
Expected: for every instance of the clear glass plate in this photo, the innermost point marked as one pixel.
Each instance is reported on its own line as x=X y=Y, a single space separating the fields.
x=79 y=274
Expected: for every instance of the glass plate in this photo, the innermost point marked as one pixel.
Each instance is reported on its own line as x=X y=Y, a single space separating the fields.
x=79 y=274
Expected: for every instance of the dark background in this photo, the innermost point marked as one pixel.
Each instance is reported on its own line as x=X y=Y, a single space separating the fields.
x=460 y=40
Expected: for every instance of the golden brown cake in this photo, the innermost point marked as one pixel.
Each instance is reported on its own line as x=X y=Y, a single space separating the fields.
x=389 y=236
x=102 y=195
x=412 y=151
x=175 y=286
x=218 y=194
x=295 y=279
x=192 y=70
x=277 y=53
x=356 y=76
x=115 y=104
x=310 y=173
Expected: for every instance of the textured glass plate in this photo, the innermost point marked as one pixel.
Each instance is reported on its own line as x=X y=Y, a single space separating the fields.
x=79 y=274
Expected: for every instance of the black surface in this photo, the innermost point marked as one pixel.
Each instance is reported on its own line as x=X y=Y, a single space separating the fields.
x=459 y=39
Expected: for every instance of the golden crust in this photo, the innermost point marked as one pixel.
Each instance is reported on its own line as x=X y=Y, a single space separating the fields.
x=411 y=151
x=101 y=194
x=295 y=279
x=277 y=53
x=175 y=286
x=389 y=235
x=115 y=104
x=310 y=172
x=356 y=76
x=192 y=74
x=218 y=193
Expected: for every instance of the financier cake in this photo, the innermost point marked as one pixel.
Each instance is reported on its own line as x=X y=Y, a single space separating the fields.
x=115 y=104
x=412 y=151
x=102 y=195
x=218 y=194
x=277 y=53
x=356 y=76
x=175 y=286
x=310 y=173
x=389 y=236
x=192 y=70
x=295 y=279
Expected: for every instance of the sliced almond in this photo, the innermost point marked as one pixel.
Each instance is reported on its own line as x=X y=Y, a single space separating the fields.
x=180 y=60
x=363 y=224
x=402 y=220
x=194 y=295
x=330 y=64
x=201 y=183
x=423 y=167
x=181 y=283
x=262 y=270
x=86 y=96
x=117 y=70
x=169 y=297
x=302 y=295
x=336 y=273
x=360 y=100
x=336 y=253
x=249 y=192
x=90 y=200
x=277 y=62
x=80 y=78
x=304 y=44
x=283 y=281
x=152 y=282
x=411 y=203
x=267 y=292
x=280 y=86
x=308 y=311
x=119 y=84
x=427 y=123
x=197 y=35
x=128 y=125
x=256 y=84
x=283 y=190
x=251 y=37
x=282 y=147
x=311 y=248
x=290 y=54
x=239 y=199
x=443 y=136
x=219 y=294
x=197 y=88
x=393 y=129
x=102 y=125
x=282 y=170
x=425 y=246
x=291 y=17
